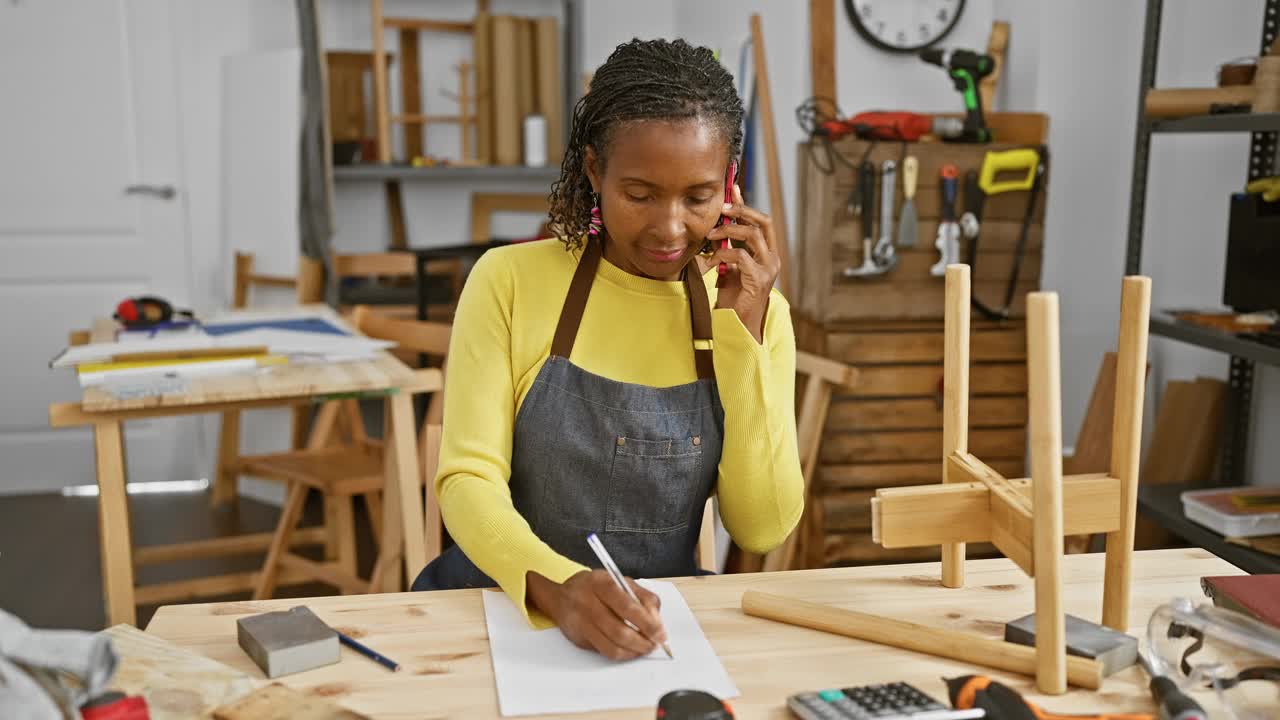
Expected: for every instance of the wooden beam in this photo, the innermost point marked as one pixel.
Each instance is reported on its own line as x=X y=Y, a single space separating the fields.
x=822 y=49
x=955 y=403
x=1091 y=503
x=1126 y=444
x=940 y=642
x=997 y=44
x=425 y=25
x=825 y=369
x=63 y=415
x=410 y=93
x=219 y=547
x=331 y=573
x=777 y=205
x=380 y=99
x=931 y=515
x=187 y=590
x=1011 y=528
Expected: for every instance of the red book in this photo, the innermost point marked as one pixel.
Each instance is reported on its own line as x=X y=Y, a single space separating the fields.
x=1256 y=595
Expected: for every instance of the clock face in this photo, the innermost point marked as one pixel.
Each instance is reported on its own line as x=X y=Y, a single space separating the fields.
x=903 y=25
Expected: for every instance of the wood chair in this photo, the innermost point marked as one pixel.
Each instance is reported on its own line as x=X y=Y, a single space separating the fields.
x=804 y=544
x=484 y=205
x=341 y=473
x=227 y=473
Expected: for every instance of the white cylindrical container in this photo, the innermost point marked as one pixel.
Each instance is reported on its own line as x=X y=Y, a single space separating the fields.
x=535 y=141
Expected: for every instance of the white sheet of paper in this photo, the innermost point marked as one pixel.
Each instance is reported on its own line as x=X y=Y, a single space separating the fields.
x=540 y=672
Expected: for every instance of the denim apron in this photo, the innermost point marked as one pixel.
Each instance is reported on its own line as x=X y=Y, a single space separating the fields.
x=633 y=464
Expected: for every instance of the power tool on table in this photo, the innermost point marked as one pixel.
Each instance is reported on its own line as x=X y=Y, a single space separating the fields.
x=966 y=69
x=891 y=125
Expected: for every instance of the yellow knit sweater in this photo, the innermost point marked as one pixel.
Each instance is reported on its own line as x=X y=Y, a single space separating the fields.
x=634 y=330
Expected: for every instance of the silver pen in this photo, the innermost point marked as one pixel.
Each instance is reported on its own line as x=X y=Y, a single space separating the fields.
x=612 y=568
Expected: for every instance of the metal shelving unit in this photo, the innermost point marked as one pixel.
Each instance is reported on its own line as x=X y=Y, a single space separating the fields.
x=1262 y=163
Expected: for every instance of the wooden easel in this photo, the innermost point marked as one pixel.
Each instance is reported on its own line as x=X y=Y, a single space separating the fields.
x=1027 y=518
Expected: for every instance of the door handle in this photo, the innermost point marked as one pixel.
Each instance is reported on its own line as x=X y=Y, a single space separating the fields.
x=164 y=192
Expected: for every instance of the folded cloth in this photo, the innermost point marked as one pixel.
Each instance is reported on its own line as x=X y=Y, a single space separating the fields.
x=51 y=673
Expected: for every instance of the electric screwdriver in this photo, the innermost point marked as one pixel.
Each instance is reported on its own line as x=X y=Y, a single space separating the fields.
x=966 y=69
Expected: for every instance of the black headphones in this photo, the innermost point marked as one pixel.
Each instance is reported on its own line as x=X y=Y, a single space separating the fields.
x=147 y=311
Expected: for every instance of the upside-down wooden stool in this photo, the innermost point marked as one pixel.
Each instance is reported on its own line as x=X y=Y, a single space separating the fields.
x=1026 y=519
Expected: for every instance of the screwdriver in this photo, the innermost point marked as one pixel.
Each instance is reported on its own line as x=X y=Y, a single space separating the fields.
x=1172 y=703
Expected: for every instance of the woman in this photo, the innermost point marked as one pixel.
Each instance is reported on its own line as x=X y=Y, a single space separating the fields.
x=579 y=399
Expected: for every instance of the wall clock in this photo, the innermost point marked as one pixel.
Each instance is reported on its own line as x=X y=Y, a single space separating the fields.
x=904 y=26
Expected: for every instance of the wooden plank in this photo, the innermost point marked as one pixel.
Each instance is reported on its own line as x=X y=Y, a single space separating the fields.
x=113 y=524
x=403 y=484
x=924 y=413
x=219 y=547
x=395 y=216
x=402 y=264
x=764 y=106
x=848 y=510
x=822 y=49
x=504 y=94
x=525 y=58
x=998 y=236
x=424 y=24
x=381 y=100
x=844 y=549
x=997 y=44
x=411 y=92
x=904 y=298
x=915 y=445
x=161 y=672
x=1008 y=207
x=814 y=253
x=482 y=49
x=331 y=573
x=925 y=380
x=834 y=372
x=550 y=95
x=863 y=348
x=280 y=541
x=992 y=268
x=834 y=479
x=185 y=591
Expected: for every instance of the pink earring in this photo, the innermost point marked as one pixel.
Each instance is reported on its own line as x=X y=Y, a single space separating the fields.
x=596 y=226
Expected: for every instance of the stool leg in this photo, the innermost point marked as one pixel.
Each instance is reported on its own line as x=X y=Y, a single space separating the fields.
x=1045 y=400
x=955 y=408
x=1126 y=445
x=373 y=507
x=294 y=501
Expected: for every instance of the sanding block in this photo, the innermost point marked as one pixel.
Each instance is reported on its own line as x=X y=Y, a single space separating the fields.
x=288 y=641
x=1114 y=650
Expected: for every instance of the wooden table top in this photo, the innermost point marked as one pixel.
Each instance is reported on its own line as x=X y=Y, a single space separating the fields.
x=272 y=383
x=440 y=637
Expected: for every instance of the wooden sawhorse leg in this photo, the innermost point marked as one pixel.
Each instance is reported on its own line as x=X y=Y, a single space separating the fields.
x=113 y=524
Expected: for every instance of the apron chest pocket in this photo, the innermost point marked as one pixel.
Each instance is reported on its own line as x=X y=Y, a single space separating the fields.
x=653 y=484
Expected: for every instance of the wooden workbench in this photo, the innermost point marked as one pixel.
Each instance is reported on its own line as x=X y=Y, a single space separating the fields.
x=440 y=637
x=276 y=387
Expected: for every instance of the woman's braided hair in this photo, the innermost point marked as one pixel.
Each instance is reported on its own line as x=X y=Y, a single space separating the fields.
x=641 y=80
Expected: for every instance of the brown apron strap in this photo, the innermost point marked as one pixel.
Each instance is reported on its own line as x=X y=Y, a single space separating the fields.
x=700 y=315
x=575 y=303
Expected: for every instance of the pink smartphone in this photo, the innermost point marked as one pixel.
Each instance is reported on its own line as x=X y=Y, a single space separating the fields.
x=730 y=178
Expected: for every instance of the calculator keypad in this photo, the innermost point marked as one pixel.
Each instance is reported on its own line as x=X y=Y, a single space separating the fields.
x=892 y=701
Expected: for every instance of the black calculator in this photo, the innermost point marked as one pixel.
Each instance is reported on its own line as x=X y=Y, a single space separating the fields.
x=891 y=701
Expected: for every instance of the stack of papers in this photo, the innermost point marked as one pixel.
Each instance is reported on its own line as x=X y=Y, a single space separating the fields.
x=541 y=672
x=237 y=343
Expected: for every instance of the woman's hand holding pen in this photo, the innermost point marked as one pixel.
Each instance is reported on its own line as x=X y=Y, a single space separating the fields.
x=593 y=612
x=752 y=269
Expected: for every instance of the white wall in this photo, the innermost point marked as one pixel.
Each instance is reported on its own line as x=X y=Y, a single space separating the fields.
x=1078 y=62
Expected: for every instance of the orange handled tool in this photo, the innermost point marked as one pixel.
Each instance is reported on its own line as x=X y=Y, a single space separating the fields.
x=1004 y=703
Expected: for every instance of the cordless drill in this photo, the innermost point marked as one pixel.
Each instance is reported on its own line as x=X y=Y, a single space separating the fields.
x=966 y=68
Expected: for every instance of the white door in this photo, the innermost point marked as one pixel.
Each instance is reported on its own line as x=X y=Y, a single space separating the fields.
x=88 y=109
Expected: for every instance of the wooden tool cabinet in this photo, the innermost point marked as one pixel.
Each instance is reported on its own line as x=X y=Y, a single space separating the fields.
x=888 y=432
